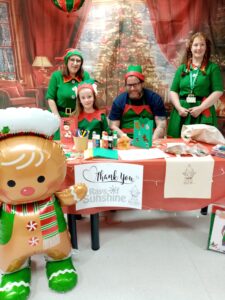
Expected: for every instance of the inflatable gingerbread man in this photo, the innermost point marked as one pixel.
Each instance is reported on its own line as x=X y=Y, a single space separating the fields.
x=32 y=170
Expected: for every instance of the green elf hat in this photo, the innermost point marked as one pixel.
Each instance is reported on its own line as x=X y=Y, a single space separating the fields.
x=135 y=71
x=70 y=52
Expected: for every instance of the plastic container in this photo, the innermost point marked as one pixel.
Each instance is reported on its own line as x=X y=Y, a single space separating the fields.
x=105 y=139
x=110 y=141
x=115 y=138
x=94 y=139
x=97 y=140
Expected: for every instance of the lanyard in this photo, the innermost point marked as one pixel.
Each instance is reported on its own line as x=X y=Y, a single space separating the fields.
x=193 y=78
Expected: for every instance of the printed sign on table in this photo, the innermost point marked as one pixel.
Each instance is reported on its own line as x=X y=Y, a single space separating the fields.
x=111 y=185
x=189 y=177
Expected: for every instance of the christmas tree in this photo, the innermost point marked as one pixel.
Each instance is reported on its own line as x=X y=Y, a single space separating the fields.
x=122 y=37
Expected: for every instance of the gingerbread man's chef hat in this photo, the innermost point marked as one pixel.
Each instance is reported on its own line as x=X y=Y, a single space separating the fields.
x=25 y=120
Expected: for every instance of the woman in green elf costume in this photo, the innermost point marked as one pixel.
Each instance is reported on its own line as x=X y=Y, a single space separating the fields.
x=90 y=118
x=61 y=94
x=196 y=87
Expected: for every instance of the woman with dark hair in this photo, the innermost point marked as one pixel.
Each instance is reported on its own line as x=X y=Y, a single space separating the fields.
x=196 y=87
x=61 y=94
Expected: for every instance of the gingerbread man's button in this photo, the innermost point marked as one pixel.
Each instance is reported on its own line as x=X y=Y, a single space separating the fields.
x=31 y=225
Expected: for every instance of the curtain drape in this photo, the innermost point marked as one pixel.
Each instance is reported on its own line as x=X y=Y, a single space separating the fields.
x=173 y=22
x=49 y=31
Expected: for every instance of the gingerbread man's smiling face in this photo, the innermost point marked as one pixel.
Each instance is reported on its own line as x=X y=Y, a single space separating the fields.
x=32 y=168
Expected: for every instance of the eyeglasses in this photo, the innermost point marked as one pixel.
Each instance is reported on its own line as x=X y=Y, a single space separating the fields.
x=77 y=60
x=134 y=85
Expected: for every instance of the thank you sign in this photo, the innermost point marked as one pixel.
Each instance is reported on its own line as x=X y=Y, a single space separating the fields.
x=110 y=185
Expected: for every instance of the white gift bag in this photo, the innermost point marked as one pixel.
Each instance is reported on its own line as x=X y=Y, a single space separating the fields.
x=202 y=133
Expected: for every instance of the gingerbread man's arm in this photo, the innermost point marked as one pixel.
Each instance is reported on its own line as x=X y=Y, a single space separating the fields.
x=73 y=194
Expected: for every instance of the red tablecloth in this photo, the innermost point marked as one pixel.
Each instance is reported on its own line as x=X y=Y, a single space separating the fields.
x=153 y=186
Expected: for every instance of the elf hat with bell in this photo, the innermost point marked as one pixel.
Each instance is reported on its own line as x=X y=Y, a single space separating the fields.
x=135 y=71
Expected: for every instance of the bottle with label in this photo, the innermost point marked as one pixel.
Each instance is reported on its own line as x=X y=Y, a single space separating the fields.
x=115 y=138
x=105 y=139
x=110 y=141
x=94 y=139
x=97 y=140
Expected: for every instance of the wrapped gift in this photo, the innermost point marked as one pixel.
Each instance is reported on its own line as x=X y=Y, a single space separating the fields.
x=216 y=241
x=143 y=133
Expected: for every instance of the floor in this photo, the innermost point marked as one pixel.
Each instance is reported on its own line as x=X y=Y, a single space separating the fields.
x=149 y=255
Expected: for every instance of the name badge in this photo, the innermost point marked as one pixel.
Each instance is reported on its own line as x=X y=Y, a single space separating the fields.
x=191 y=98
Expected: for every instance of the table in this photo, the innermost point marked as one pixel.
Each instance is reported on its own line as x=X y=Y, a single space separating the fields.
x=153 y=192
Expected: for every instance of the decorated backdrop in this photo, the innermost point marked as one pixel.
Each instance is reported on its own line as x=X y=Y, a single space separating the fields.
x=111 y=35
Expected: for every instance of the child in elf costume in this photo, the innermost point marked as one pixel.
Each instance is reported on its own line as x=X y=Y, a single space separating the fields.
x=32 y=170
x=90 y=118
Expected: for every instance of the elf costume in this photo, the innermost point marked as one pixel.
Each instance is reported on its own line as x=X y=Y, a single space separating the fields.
x=205 y=83
x=95 y=121
x=91 y=121
x=128 y=110
x=32 y=170
x=62 y=89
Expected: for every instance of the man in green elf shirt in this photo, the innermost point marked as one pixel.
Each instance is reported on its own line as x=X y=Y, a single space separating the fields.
x=137 y=102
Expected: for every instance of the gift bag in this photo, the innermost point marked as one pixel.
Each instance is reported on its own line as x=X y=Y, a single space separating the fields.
x=68 y=127
x=216 y=241
x=202 y=133
x=143 y=133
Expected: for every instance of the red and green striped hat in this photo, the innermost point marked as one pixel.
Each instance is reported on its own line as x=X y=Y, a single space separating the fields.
x=86 y=84
x=68 y=5
x=135 y=71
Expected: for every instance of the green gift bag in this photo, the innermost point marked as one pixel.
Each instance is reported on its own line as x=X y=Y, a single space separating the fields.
x=216 y=241
x=143 y=129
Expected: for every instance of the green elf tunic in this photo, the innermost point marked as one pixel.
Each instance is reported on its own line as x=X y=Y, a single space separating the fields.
x=61 y=89
x=95 y=121
x=204 y=85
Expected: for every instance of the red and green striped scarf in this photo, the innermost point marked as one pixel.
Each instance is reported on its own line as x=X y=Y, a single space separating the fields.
x=48 y=219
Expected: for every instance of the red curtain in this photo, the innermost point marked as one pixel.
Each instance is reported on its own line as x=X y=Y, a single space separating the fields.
x=173 y=21
x=48 y=30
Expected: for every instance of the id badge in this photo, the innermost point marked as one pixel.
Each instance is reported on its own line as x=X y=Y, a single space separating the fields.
x=191 y=98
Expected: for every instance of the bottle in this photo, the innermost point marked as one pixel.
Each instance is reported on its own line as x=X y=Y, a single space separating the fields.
x=110 y=141
x=97 y=140
x=105 y=139
x=94 y=139
x=115 y=138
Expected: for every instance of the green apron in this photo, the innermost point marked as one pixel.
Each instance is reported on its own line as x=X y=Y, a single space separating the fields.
x=132 y=113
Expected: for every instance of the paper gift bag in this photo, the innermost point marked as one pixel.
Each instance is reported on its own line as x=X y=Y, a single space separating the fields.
x=216 y=241
x=68 y=127
x=202 y=133
x=143 y=133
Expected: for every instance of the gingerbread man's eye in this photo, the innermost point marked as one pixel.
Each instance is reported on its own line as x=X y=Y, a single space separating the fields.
x=11 y=183
x=41 y=179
